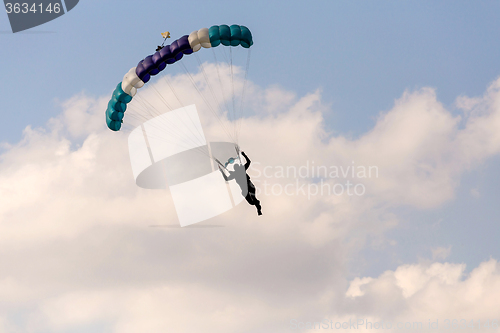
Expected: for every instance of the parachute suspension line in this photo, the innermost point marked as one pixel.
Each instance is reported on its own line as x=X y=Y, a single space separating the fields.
x=171 y=130
x=183 y=146
x=193 y=82
x=228 y=59
x=173 y=91
x=161 y=97
x=232 y=91
x=222 y=165
x=192 y=121
x=223 y=49
x=136 y=115
x=164 y=124
x=174 y=130
x=147 y=108
x=214 y=95
x=206 y=102
x=216 y=99
x=152 y=111
x=243 y=91
x=163 y=138
x=220 y=82
x=236 y=112
x=179 y=100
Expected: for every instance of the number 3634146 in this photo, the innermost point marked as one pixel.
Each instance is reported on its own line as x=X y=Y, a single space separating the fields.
x=25 y=8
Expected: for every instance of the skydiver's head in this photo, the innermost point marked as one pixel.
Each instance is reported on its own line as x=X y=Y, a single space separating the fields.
x=237 y=167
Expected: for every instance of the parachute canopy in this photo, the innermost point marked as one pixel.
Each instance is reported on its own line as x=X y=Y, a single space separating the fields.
x=136 y=77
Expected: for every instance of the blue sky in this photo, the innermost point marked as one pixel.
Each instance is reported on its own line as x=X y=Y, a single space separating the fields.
x=347 y=48
x=346 y=63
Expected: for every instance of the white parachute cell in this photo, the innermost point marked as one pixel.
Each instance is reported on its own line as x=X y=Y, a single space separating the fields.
x=204 y=38
x=130 y=81
x=194 y=41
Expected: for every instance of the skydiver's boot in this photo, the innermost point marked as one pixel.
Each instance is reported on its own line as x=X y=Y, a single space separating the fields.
x=259 y=208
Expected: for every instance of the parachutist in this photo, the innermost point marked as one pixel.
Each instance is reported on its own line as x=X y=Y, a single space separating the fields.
x=239 y=174
x=159 y=48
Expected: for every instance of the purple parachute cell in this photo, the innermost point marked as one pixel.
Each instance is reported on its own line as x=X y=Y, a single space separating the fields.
x=157 y=59
x=183 y=43
x=148 y=63
x=145 y=68
x=166 y=55
x=140 y=70
x=174 y=48
x=162 y=66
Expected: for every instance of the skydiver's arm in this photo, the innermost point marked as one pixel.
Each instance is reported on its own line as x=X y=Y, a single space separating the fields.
x=226 y=178
x=247 y=164
x=223 y=174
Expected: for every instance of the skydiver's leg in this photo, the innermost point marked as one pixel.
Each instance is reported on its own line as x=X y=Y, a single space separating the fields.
x=249 y=199
x=257 y=205
x=252 y=199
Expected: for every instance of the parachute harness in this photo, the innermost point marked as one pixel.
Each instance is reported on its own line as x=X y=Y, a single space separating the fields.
x=231 y=160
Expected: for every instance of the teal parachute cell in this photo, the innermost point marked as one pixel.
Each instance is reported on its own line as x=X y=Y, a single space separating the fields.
x=246 y=37
x=235 y=35
x=113 y=114
x=225 y=35
x=214 y=35
x=116 y=105
x=120 y=95
x=112 y=124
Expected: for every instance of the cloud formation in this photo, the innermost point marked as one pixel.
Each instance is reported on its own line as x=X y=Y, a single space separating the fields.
x=420 y=293
x=78 y=250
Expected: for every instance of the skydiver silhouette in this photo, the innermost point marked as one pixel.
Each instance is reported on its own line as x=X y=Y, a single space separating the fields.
x=239 y=174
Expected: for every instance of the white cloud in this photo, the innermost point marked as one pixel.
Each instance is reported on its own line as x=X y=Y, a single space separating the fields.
x=356 y=286
x=430 y=291
x=77 y=250
x=441 y=253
